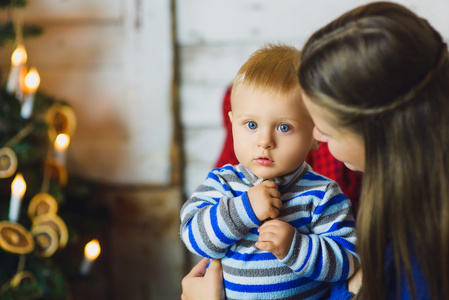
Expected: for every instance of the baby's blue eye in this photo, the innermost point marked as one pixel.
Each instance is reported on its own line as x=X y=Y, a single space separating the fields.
x=284 y=128
x=251 y=125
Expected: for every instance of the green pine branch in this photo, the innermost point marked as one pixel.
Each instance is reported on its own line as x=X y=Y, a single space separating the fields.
x=8 y=35
x=13 y=3
x=54 y=273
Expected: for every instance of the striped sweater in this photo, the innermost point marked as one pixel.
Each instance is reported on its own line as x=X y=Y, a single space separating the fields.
x=217 y=222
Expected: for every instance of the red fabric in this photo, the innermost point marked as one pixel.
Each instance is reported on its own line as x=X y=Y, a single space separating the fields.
x=349 y=181
x=227 y=155
x=321 y=160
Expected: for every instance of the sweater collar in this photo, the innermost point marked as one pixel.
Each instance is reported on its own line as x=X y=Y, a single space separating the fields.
x=281 y=181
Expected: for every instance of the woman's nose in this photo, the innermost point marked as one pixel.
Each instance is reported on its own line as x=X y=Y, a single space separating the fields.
x=319 y=136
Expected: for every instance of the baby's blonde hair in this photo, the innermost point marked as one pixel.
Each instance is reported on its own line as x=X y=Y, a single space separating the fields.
x=273 y=67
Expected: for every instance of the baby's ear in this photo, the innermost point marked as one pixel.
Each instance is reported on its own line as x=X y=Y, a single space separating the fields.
x=230 y=116
x=315 y=145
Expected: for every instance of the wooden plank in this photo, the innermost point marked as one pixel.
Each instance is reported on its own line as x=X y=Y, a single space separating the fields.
x=145 y=236
x=204 y=145
x=202 y=149
x=96 y=97
x=119 y=138
x=112 y=161
x=195 y=175
x=202 y=106
x=148 y=74
x=213 y=65
x=114 y=142
x=202 y=22
x=118 y=80
x=65 y=46
x=50 y=11
x=102 y=160
x=210 y=22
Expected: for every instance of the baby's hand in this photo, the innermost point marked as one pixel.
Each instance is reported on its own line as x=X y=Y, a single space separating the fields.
x=276 y=237
x=265 y=200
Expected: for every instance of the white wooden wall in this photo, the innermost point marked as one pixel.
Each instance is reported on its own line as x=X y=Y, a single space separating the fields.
x=216 y=38
x=112 y=61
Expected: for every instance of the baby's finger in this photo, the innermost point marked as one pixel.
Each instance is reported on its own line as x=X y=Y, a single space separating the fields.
x=276 y=203
x=270 y=184
x=266 y=226
x=274 y=193
x=267 y=236
x=273 y=222
x=266 y=246
x=274 y=213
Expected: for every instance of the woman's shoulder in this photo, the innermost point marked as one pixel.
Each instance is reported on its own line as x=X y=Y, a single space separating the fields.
x=420 y=282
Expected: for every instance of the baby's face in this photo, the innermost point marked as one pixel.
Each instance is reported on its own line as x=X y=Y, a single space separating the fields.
x=272 y=132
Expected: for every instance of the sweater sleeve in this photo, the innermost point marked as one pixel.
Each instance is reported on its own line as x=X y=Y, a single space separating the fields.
x=339 y=292
x=213 y=218
x=328 y=253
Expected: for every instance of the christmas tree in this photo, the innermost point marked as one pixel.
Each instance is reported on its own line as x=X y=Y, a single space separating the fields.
x=42 y=209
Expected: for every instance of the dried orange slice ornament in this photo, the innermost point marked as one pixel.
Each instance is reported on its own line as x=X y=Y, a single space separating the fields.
x=15 y=238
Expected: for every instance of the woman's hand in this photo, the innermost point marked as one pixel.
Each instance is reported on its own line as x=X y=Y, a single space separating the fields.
x=204 y=283
x=355 y=282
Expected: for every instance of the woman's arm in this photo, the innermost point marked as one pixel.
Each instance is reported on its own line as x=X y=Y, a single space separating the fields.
x=204 y=283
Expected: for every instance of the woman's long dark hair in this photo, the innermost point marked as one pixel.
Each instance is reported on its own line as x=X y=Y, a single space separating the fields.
x=384 y=74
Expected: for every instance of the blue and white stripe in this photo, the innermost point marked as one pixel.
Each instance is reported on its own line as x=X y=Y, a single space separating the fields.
x=217 y=222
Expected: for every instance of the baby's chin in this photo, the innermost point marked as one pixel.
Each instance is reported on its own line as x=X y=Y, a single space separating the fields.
x=267 y=172
x=260 y=173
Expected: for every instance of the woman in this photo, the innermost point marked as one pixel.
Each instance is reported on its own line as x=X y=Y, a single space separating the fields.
x=376 y=83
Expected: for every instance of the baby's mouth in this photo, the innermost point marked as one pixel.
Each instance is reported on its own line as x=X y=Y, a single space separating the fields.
x=264 y=161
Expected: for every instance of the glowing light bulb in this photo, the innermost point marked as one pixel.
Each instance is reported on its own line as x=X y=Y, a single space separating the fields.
x=17 y=71
x=92 y=250
x=19 y=56
x=32 y=80
x=31 y=83
x=61 y=143
x=18 y=188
